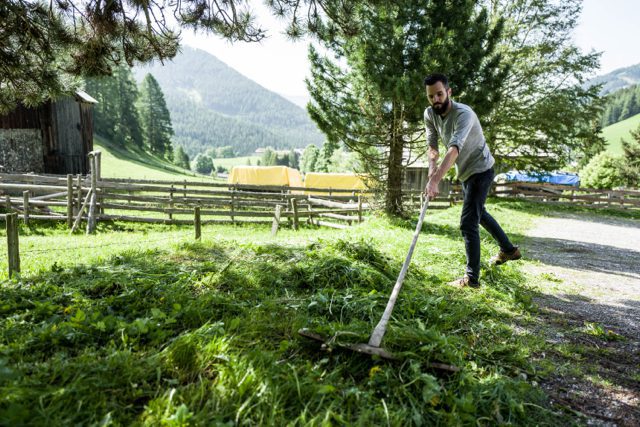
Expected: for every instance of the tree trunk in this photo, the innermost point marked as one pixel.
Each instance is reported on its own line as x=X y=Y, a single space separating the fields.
x=393 y=198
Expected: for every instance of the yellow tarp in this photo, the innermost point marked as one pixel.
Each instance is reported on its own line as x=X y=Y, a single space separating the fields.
x=340 y=181
x=265 y=175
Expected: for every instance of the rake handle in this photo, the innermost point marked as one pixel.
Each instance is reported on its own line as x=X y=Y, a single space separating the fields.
x=381 y=327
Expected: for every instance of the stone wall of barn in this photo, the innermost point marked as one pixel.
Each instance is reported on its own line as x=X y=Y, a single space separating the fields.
x=21 y=151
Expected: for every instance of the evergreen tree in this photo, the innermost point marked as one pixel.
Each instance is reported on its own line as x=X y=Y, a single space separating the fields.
x=631 y=164
x=155 y=119
x=269 y=157
x=309 y=159
x=181 y=158
x=293 y=159
x=323 y=163
x=546 y=118
x=115 y=116
x=374 y=104
x=128 y=129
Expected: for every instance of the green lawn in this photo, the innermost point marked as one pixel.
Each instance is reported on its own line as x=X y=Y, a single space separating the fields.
x=617 y=131
x=137 y=164
x=141 y=325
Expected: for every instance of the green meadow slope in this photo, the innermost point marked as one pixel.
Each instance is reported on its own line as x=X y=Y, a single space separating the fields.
x=614 y=133
x=137 y=164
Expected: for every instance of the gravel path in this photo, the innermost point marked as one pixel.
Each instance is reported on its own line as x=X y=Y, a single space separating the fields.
x=591 y=267
x=597 y=261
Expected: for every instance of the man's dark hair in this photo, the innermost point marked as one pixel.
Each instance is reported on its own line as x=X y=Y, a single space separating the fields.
x=434 y=78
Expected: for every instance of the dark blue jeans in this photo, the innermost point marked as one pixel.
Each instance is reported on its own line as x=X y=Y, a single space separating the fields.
x=475 y=190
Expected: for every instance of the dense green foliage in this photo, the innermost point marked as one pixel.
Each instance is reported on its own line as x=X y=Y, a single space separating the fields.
x=545 y=119
x=621 y=105
x=309 y=158
x=205 y=334
x=181 y=158
x=154 y=118
x=115 y=116
x=631 y=165
x=213 y=106
x=203 y=164
x=271 y=157
x=373 y=100
x=608 y=170
x=602 y=171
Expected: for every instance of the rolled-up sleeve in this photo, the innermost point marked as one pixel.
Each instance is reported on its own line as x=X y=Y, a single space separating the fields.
x=430 y=132
x=461 y=128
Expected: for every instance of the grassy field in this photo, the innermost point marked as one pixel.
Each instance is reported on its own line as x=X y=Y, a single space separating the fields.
x=119 y=163
x=617 y=131
x=141 y=325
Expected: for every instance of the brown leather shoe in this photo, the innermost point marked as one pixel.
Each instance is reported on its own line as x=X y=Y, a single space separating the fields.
x=503 y=257
x=464 y=282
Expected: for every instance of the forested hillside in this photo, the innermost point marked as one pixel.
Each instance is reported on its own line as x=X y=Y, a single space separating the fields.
x=621 y=105
x=212 y=105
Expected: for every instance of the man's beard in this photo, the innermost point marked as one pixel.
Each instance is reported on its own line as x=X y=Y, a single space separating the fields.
x=440 y=109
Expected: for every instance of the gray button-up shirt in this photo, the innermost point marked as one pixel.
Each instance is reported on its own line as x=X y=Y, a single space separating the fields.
x=460 y=128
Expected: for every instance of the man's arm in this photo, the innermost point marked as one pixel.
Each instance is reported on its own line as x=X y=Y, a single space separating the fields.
x=448 y=161
x=432 y=156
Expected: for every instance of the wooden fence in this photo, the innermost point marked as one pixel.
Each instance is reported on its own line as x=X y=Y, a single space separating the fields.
x=72 y=199
x=572 y=196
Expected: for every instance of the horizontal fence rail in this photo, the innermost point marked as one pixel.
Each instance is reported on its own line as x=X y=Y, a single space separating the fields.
x=566 y=195
x=82 y=198
x=76 y=199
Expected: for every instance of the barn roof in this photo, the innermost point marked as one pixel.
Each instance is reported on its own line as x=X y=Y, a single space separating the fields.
x=82 y=96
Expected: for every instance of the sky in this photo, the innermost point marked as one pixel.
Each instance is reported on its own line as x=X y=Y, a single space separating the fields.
x=280 y=65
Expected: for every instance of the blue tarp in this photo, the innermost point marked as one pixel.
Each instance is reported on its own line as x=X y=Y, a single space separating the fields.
x=558 y=178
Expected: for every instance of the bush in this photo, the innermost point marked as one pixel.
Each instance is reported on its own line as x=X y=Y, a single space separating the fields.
x=603 y=171
x=203 y=164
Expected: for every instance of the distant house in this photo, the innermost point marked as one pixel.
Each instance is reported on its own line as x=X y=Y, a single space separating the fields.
x=54 y=137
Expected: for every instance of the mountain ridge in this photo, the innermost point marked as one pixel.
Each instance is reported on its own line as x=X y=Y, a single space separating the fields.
x=617 y=79
x=200 y=90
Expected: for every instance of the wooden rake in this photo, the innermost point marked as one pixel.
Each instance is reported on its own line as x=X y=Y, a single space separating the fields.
x=373 y=346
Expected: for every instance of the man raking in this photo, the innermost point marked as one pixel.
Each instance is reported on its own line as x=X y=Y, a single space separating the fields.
x=461 y=133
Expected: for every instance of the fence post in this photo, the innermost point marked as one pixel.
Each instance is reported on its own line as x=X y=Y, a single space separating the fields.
x=79 y=193
x=25 y=206
x=360 y=207
x=276 y=220
x=171 y=201
x=294 y=207
x=98 y=157
x=7 y=201
x=196 y=222
x=233 y=199
x=13 y=246
x=91 y=221
x=310 y=209
x=69 y=201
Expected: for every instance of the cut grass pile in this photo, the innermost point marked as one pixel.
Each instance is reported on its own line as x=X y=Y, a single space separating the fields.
x=206 y=333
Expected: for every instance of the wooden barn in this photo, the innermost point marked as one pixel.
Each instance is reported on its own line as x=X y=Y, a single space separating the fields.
x=54 y=137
